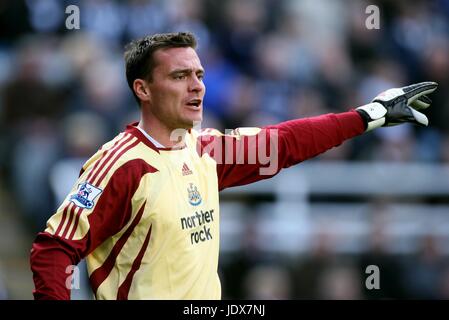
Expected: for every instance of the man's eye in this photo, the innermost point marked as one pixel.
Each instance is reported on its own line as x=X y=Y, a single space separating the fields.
x=180 y=77
x=201 y=76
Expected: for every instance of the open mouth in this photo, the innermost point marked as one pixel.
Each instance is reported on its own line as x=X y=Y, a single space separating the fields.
x=194 y=103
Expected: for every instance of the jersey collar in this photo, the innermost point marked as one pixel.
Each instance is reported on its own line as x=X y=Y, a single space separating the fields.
x=132 y=129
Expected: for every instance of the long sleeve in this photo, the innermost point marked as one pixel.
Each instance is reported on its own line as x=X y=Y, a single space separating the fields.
x=50 y=259
x=99 y=206
x=248 y=155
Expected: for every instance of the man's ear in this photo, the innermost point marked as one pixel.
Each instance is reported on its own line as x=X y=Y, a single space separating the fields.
x=141 y=89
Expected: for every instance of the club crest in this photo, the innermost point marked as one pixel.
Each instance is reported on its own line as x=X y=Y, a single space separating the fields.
x=194 y=195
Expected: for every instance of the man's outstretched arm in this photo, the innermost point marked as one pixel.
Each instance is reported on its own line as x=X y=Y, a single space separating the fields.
x=247 y=155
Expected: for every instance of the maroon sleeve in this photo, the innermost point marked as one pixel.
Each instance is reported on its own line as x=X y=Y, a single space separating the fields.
x=261 y=156
x=50 y=259
x=52 y=254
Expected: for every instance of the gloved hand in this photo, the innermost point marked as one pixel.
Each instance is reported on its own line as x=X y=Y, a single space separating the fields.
x=398 y=105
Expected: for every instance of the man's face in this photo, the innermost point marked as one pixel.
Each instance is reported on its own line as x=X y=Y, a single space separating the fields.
x=177 y=88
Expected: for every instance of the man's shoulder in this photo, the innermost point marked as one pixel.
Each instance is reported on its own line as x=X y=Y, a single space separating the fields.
x=114 y=152
x=240 y=131
x=205 y=132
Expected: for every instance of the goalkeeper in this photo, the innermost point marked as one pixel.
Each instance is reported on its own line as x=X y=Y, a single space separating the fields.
x=144 y=212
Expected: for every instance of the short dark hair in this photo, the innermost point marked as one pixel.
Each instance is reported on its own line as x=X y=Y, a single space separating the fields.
x=139 y=62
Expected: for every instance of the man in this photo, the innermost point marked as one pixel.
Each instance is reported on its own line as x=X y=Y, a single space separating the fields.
x=144 y=212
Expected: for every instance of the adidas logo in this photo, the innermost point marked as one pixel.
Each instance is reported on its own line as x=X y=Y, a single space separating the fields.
x=185 y=170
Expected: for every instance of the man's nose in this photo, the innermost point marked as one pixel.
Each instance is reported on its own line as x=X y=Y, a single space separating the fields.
x=196 y=85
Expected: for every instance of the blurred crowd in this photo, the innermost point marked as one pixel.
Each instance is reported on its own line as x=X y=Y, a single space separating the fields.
x=64 y=92
x=325 y=273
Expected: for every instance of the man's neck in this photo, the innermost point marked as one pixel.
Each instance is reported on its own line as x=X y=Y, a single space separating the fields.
x=164 y=136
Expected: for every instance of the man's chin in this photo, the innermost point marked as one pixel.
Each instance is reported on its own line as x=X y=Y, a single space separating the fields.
x=187 y=125
x=194 y=122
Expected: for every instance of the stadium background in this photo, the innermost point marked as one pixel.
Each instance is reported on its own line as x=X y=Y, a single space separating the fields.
x=381 y=199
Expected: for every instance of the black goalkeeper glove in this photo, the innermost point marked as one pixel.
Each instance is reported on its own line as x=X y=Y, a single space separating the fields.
x=398 y=105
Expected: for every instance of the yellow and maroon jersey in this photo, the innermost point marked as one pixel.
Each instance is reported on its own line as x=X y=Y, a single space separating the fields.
x=146 y=219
